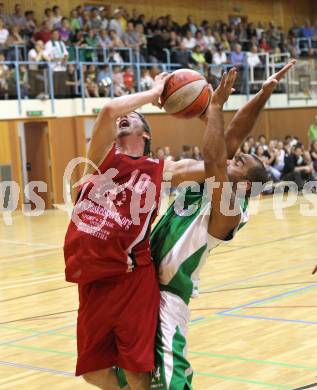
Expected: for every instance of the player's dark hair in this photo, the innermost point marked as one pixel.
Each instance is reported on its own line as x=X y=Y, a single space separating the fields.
x=257 y=174
x=146 y=127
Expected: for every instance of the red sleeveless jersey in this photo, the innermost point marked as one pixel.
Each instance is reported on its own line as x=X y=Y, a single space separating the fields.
x=110 y=227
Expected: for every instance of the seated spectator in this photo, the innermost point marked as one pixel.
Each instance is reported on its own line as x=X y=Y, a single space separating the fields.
x=224 y=42
x=198 y=58
x=262 y=141
x=23 y=82
x=219 y=58
x=186 y=152
x=294 y=31
x=103 y=39
x=196 y=154
x=36 y=76
x=159 y=153
x=17 y=18
x=65 y=30
x=167 y=154
x=14 y=38
x=4 y=34
x=156 y=44
x=306 y=31
x=95 y=20
x=312 y=130
x=91 y=40
x=104 y=81
x=271 y=153
x=30 y=24
x=313 y=154
x=91 y=81
x=57 y=16
x=139 y=30
x=182 y=56
x=130 y=38
x=190 y=25
x=146 y=81
x=115 y=23
x=264 y=45
x=279 y=162
x=85 y=20
x=210 y=40
x=175 y=41
x=189 y=41
x=259 y=30
x=4 y=74
x=71 y=81
x=128 y=79
x=118 y=83
x=114 y=57
x=3 y=15
x=115 y=40
x=200 y=40
x=105 y=18
x=74 y=21
x=237 y=56
x=266 y=160
x=49 y=18
x=245 y=148
x=253 y=57
x=44 y=34
x=250 y=140
x=296 y=169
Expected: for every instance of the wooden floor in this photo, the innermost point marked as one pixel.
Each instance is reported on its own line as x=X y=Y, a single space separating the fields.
x=254 y=325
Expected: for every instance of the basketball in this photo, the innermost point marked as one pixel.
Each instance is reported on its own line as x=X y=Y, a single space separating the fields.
x=186 y=94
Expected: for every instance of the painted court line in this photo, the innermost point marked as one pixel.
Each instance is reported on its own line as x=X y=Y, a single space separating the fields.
x=33 y=244
x=250 y=360
x=243 y=380
x=38 y=334
x=32 y=279
x=229 y=313
x=262 y=275
x=36 y=368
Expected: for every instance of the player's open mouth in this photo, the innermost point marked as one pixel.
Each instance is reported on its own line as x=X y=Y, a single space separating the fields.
x=124 y=123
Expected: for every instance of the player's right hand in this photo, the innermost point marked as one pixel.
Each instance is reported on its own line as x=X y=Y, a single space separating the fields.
x=158 y=87
x=270 y=84
x=224 y=89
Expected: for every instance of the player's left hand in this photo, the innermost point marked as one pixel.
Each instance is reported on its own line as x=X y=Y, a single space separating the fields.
x=158 y=87
x=270 y=84
x=224 y=89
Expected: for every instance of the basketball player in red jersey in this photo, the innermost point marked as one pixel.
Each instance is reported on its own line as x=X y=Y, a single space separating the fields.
x=107 y=248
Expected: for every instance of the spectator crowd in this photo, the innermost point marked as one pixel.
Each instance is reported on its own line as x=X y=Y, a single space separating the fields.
x=99 y=34
x=285 y=160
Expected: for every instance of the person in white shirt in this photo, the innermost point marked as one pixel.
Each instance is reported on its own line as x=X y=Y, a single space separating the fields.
x=189 y=41
x=210 y=40
x=115 y=23
x=57 y=16
x=219 y=58
x=56 y=50
x=4 y=33
x=37 y=54
x=253 y=57
x=38 y=73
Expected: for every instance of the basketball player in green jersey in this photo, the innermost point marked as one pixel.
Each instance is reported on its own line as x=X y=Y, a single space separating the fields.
x=196 y=223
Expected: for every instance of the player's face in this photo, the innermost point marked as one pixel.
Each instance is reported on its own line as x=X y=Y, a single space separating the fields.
x=239 y=166
x=129 y=124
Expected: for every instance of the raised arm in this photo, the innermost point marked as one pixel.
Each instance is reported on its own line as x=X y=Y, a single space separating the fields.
x=104 y=130
x=245 y=118
x=215 y=158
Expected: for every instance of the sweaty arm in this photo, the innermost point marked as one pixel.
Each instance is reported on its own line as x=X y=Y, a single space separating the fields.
x=215 y=161
x=104 y=130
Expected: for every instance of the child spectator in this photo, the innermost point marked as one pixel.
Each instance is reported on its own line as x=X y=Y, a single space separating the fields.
x=128 y=79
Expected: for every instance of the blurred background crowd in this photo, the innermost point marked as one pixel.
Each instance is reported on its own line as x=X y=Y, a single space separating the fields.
x=90 y=34
x=285 y=159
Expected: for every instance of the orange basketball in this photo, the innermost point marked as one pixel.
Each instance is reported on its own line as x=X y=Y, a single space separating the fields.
x=186 y=94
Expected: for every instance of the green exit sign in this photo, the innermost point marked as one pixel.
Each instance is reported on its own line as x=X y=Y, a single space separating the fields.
x=34 y=113
x=96 y=110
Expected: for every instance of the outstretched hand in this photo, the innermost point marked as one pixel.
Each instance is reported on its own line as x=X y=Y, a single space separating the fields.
x=270 y=84
x=222 y=92
x=224 y=89
x=158 y=87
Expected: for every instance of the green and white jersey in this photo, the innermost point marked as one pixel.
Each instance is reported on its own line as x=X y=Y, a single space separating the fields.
x=180 y=242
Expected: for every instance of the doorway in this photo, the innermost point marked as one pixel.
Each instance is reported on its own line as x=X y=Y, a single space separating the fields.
x=35 y=157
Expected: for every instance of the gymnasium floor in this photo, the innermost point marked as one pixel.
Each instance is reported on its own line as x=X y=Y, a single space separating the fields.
x=254 y=325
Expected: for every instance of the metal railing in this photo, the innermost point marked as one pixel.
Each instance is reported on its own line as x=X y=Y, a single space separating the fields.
x=248 y=78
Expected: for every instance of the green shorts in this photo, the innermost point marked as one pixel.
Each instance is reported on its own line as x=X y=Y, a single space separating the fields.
x=172 y=369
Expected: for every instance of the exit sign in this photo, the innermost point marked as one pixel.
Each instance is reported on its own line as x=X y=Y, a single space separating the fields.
x=34 y=113
x=96 y=110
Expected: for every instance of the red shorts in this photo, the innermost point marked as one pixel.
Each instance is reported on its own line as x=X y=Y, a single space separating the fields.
x=117 y=321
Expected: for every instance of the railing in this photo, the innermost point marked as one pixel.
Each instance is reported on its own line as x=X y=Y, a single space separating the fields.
x=46 y=79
